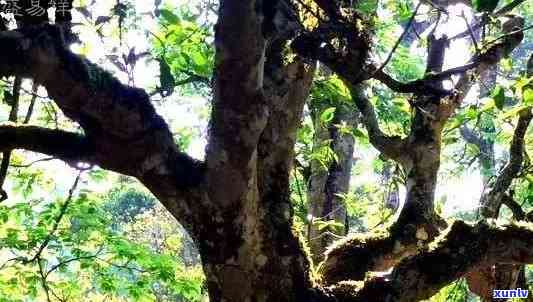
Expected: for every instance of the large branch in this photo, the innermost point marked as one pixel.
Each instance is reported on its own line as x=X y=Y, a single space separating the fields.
x=352 y=258
x=462 y=249
x=392 y=147
x=67 y=146
x=276 y=145
x=119 y=120
x=348 y=60
x=380 y=253
x=496 y=51
x=240 y=111
x=492 y=200
x=417 y=87
x=124 y=131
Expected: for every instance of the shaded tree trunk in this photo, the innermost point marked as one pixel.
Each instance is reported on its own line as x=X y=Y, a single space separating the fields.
x=327 y=185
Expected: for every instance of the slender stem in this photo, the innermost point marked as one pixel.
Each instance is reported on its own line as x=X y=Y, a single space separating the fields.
x=405 y=31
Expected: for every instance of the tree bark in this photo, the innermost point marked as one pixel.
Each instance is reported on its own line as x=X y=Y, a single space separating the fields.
x=328 y=184
x=236 y=204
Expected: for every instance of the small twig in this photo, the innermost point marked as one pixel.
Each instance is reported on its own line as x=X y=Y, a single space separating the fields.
x=121 y=266
x=509 y=7
x=43 y=279
x=16 y=259
x=6 y=156
x=523 y=29
x=58 y=219
x=34 y=89
x=405 y=31
x=65 y=262
x=471 y=32
x=34 y=162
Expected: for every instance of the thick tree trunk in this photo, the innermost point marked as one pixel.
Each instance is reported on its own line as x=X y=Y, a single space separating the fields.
x=236 y=204
x=253 y=259
x=248 y=248
x=424 y=145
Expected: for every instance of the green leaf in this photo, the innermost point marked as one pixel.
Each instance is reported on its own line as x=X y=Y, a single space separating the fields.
x=528 y=96
x=472 y=112
x=498 y=94
x=507 y=64
x=167 y=81
x=328 y=115
x=359 y=133
x=520 y=85
x=513 y=112
x=367 y=7
x=169 y=16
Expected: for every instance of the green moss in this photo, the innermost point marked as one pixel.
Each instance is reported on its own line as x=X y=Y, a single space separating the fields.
x=357 y=253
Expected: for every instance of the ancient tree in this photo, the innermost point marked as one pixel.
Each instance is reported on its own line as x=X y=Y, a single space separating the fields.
x=235 y=203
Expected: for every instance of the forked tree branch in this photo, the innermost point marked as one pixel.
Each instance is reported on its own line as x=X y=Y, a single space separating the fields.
x=123 y=127
x=423 y=86
x=122 y=131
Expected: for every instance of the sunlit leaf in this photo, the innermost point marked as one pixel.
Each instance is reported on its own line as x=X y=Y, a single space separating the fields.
x=328 y=115
x=169 y=16
x=498 y=94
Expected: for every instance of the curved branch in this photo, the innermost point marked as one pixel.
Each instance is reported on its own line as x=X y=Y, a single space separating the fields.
x=462 y=249
x=392 y=147
x=404 y=33
x=516 y=209
x=417 y=87
x=353 y=257
x=122 y=130
x=498 y=50
x=491 y=201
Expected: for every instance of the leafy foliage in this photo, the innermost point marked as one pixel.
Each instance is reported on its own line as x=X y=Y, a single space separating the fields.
x=72 y=250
